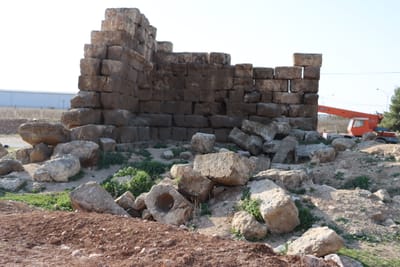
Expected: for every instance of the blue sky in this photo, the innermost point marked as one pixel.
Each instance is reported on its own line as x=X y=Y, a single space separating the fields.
x=42 y=41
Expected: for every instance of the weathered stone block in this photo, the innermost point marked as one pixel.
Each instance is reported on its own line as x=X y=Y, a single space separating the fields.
x=303 y=110
x=307 y=124
x=110 y=100
x=165 y=133
x=245 y=83
x=266 y=97
x=270 y=110
x=144 y=133
x=114 y=52
x=236 y=95
x=112 y=67
x=127 y=134
x=208 y=108
x=176 y=107
x=81 y=116
x=206 y=95
x=90 y=66
x=222 y=121
x=86 y=99
x=157 y=120
x=304 y=86
x=166 y=47
x=264 y=85
x=263 y=73
x=191 y=95
x=288 y=73
x=252 y=97
x=243 y=71
x=222 y=134
x=221 y=95
x=95 y=51
x=111 y=38
x=107 y=144
x=263 y=120
x=241 y=109
x=144 y=94
x=301 y=59
x=310 y=99
x=92 y=132
x=251 y=143
x=117 y=117
x=194 y=121
x=150 y=107
x=92 y=83
x=200 y=58
x=287 y=98
x=179 y=69
x=179 y=133
x=311 y=72
x=220 y=58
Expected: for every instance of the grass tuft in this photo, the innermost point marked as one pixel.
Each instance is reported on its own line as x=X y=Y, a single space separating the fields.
x=48 y=201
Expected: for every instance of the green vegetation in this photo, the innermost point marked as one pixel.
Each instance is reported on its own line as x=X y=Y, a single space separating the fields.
x=298 y=191
x=111 y=158
x=237 y=235
x=204 y=209
x=153 y=168
x=49 y=201
x=362 y=182
x=307 y=219
x=160 y=145
x=252 y=206
x=139 y=182
x=342 y=220
x=178 y=150
x=368 y=259
x=339 y=175
x=391 y=118
x=144 y=153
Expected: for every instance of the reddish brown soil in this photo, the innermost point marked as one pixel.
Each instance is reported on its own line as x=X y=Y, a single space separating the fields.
x=31 y=237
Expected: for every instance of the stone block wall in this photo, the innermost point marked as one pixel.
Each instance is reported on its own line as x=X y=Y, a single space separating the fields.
x=133 y=88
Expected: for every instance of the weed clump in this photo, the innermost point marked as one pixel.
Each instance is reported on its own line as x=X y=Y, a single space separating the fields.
x=362 y=182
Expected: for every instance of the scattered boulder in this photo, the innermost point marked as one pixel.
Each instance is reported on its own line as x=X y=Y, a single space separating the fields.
x=324 y=154
x=43 y=132
x=107 y=144
x=167 y=154
x=126 y=200
x=306 y=151
x=11 y=183
x=369 y=136
x=277 y=208
x=91 y=197
x=248 y=226
x=258 y=164
x=271 y=147
x=291 y=180
x=312 y=136
x=93 y=132
x=23 y=155
x=251 y=143
x=86 y=151
x=287 y=151
x=226 y=168
x=318 y=241
x=266 y=131
x=284 y=127
x=40 y=153
x=186 y=155
x=3 y=151
x=190 y=183
x=382 y=195
x=139 y=203
x=166 y=205
x=341 y=144
x=10 y=165
x=203 y=143
x=58 y=169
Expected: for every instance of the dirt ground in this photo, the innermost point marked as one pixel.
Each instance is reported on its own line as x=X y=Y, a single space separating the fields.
x=31 y=237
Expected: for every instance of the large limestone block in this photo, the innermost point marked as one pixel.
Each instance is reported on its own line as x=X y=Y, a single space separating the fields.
x=40 y=153
x=167 y=205
x=91 y=197
x=288 y=73
x=81 y=116
x=58 y=169
x=292 y=179
x=43 y=132
x=226 y=168
x=251 y=143
x=92 y=132
x=324 y=154
x=341 y=144
x=277 y=208
x=248 y=226
x=86 y=99
x=301 y=59
x=203 y=143
x=266 y=131
x=86 y=151
x=287 y=151
x=117 y=117
x=319 y=241
x=10 y=165
x=191 y=183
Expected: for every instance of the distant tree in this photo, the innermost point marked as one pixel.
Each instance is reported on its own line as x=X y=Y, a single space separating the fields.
x=391 y=118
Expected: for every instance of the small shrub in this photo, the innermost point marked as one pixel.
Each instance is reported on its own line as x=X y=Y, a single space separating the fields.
x=204 y=209
x=153 y=168
x=367 y=258
x=339 y=175
x=362 y=182
x=160 y=145
x=252 y=206
x=298 y=191
x=110 y=158
x=144 y=153
x=307 y=219
x=178 y=150
x=245 y=194
x=342 y=220
x=237 y=235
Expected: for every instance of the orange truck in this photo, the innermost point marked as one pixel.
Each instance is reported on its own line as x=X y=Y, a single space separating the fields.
x=361 y=123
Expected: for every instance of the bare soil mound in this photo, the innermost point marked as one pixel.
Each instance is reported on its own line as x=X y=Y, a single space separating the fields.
x=39 y=238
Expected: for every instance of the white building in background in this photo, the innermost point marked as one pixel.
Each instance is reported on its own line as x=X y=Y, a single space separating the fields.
x=29 y=99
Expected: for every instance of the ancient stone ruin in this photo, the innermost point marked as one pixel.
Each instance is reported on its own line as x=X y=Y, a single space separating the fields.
x=135 y=88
